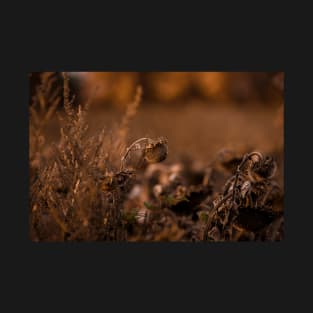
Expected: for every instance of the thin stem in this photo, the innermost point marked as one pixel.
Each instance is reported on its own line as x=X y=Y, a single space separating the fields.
x=222 y=201
x=240 y=167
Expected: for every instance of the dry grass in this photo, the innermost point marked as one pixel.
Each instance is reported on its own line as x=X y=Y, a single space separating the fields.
x=76 y=189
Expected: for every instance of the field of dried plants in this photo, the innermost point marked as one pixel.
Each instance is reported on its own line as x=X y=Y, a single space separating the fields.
x=153 y=172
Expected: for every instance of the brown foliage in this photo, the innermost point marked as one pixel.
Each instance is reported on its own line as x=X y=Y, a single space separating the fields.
x=96 y=187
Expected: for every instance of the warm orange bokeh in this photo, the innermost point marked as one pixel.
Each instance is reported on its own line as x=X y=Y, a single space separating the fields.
x=118 y=88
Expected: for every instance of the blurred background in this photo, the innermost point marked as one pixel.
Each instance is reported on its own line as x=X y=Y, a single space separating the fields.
x=200 y=113
x=118 y=88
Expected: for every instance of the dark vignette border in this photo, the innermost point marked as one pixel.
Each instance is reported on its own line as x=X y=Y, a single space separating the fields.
x=160 y=276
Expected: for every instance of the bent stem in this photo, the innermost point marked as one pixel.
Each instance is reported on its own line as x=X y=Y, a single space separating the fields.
x=128 y=150
x=239 y=168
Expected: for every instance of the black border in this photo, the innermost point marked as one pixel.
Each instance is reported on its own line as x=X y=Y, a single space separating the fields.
x=157 y=276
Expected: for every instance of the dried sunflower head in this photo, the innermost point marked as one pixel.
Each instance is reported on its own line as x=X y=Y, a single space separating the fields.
x=156 y=151
x=144 y=151
x=265 y=169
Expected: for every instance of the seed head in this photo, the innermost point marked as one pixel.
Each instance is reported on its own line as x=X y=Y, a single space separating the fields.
x=156 y=151
x=266 y=168
x=144 y=151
